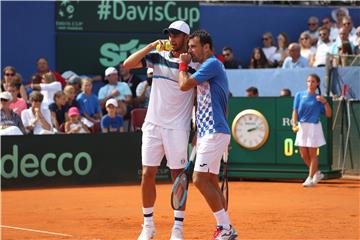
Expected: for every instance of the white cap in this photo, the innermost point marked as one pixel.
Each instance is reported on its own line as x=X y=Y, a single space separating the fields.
x=110 y=70
x=150 y=71
x=111 y=101
x=68 y=74
x=6 y=95
x=177 y=26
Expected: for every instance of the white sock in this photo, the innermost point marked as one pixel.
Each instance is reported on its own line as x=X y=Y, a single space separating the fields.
x=222 y=219
x=179 y=218
x=148 y=216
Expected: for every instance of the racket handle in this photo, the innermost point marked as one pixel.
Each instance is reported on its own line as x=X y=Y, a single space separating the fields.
x=193 y=153
x=226 y=155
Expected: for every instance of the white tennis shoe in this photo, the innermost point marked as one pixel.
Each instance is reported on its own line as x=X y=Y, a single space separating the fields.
x=318 y=177
x=308 y=182
x=148 y=232
x=176 y=234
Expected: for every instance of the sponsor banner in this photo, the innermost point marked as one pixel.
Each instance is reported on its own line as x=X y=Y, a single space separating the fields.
x=93 y=53
x=58 y=160
x=124 y=16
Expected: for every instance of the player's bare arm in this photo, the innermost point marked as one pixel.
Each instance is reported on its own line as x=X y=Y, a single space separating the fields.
x=186 y=82
x=134 y=60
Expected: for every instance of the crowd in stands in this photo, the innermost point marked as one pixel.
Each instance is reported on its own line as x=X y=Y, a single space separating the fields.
x=54 y=103
x=339 y=40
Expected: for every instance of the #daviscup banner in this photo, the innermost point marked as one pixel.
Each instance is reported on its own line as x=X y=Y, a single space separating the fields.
x=124 y=16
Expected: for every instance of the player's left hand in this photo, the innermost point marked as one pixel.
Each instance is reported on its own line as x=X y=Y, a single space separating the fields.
x=185 y=58
x=321 y=99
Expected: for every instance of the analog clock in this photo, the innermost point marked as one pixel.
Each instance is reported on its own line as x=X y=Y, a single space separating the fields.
x=250 y=129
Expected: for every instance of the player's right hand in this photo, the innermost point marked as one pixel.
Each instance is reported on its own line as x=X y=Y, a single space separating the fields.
x=185 y=58
x=159 y=42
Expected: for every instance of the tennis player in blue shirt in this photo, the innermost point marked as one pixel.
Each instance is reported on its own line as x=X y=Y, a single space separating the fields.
x=213 y=131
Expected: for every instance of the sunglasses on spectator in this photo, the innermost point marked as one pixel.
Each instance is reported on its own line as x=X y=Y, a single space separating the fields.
x=322 y=34
x=311 y=24
x=9 y=74
x=265 y=39
x=226 y=54
x=4 y=100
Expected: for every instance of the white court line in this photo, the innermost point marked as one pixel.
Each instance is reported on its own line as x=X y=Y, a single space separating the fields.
x=34 y=230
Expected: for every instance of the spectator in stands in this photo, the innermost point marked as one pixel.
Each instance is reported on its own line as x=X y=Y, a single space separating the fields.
x=295 y=60
x=313 y=25
x=357 y=48
x=347 y=23
x=143 y=90
x=74 y=124
x=112 y=122
x=252 y=92
x=285 y=92
x=59 y=110
x=36 y=119
x=114 y=89
x=282 y=49
x=16 y=104
x=10 y=123
x=338 y=14
x=18 y=80
x=306 y=49
x=258 y=59
x=229 y=60
x=48 y=87
x=10 y=76
x=345 y=55
x=269 y=49
x=75 y=82
x=326 y=22
x=69 y=91
x=344 y=37
x=36 y=78
x=43 y=67
x=131 y=79
x=89 y=106
x=323 y=48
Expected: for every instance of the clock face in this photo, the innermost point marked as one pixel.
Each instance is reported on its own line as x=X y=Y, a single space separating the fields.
x=250 y=129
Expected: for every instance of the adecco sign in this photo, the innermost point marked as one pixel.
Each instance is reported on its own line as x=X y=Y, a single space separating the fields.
x=29 y=165
x=61 y=160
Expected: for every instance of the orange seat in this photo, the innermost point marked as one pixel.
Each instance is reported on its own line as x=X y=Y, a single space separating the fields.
x=137 y=118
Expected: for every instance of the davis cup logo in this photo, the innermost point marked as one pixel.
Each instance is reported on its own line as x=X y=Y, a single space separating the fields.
x=67 y=9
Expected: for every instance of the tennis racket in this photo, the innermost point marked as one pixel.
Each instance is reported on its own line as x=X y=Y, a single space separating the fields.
x=180 y=188
x=224 y=184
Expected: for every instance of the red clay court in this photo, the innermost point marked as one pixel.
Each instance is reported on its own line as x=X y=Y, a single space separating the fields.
x=258 y=210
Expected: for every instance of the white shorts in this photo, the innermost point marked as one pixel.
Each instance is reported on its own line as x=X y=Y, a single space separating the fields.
x=158 y=141
x=310 y=135
x=210 y=149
